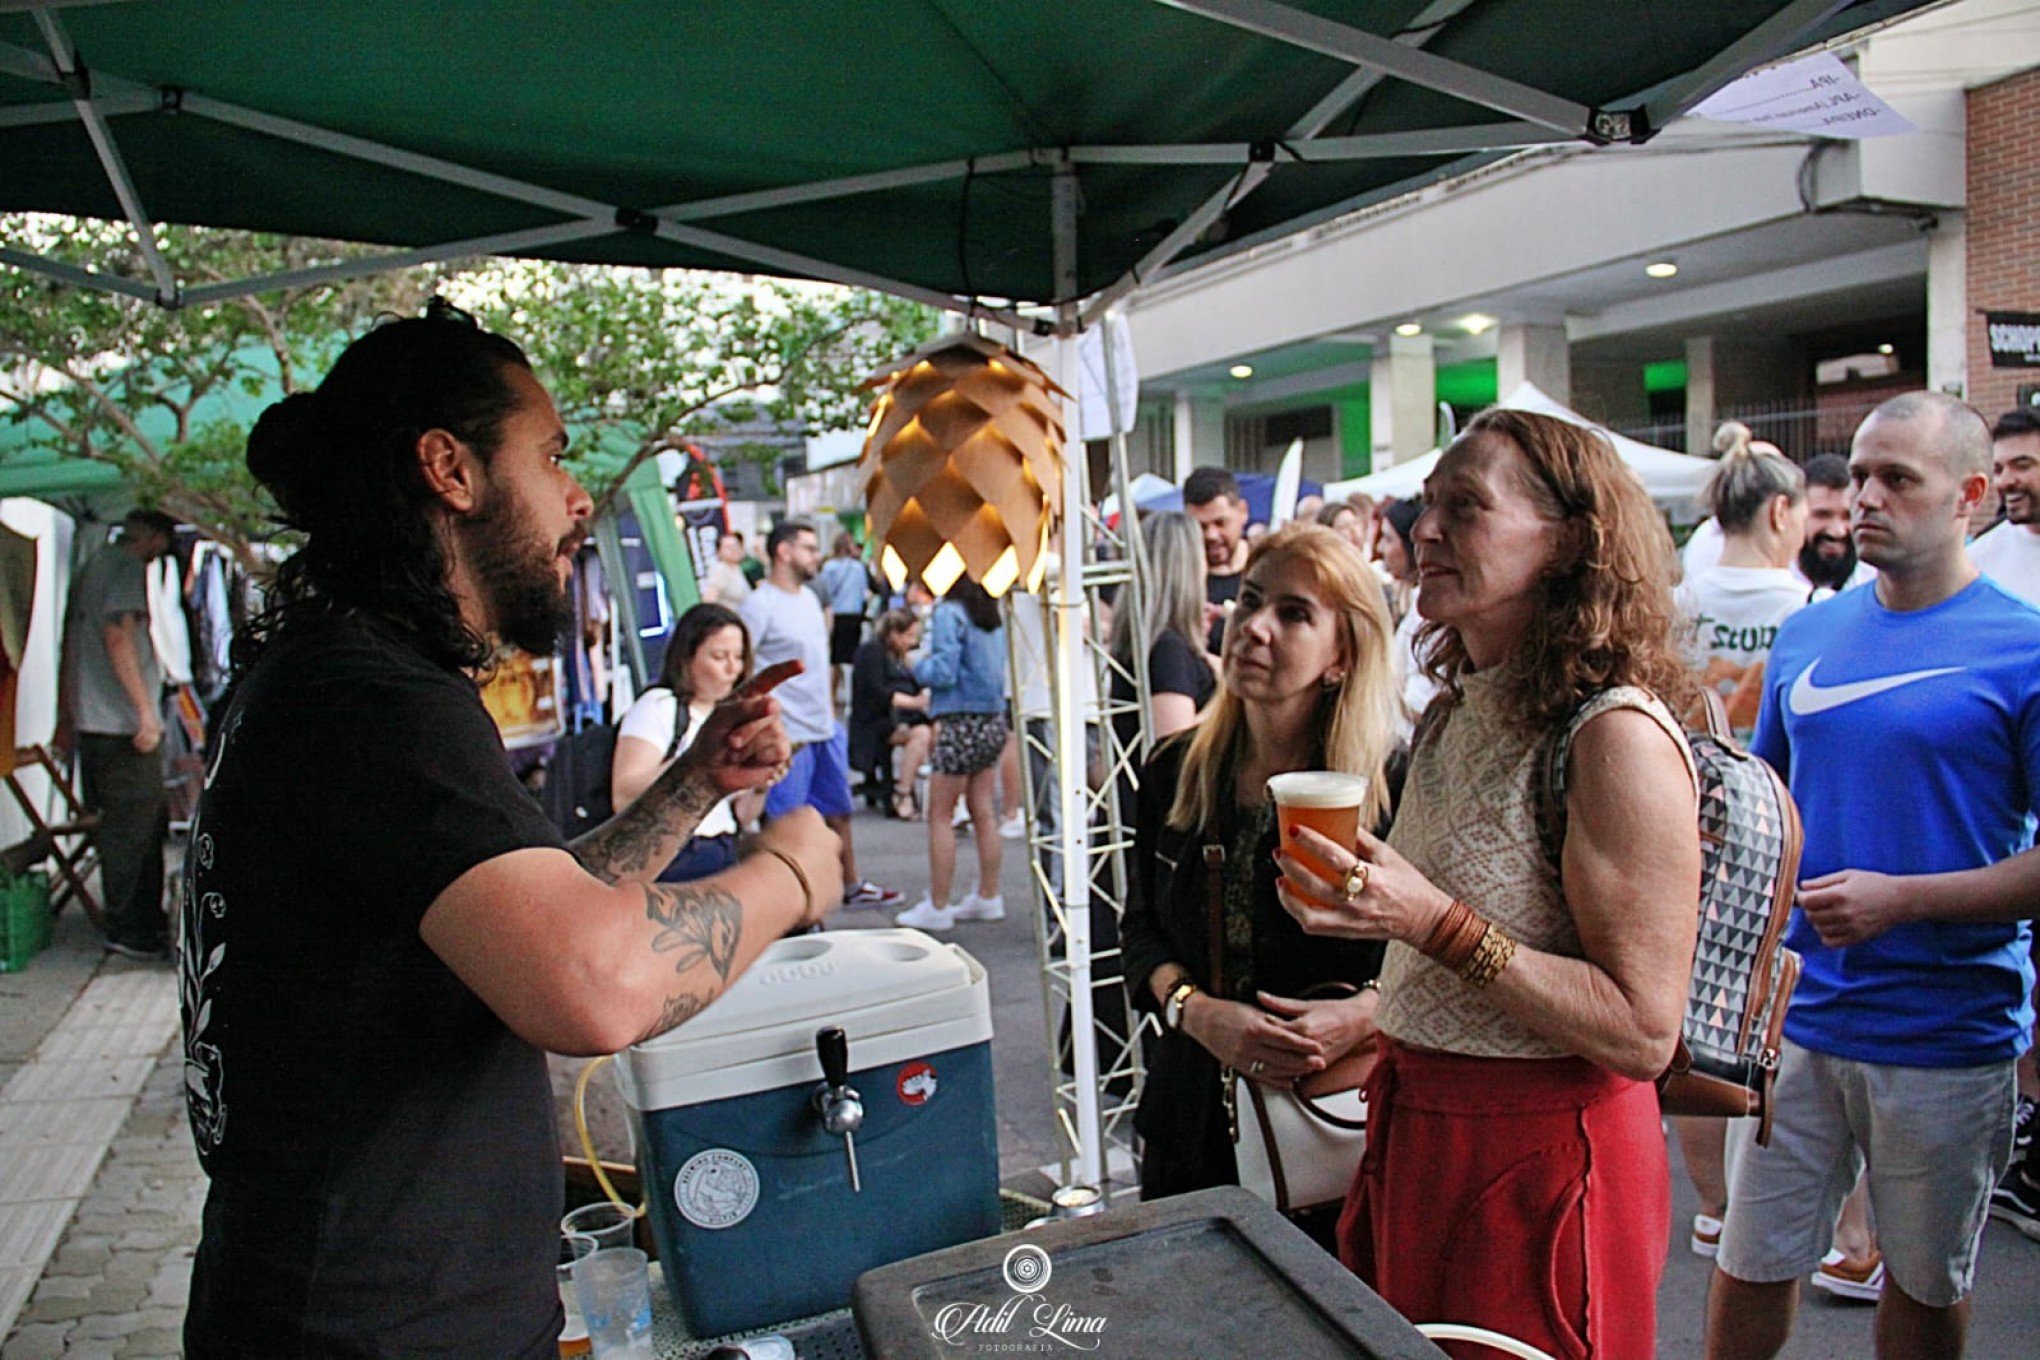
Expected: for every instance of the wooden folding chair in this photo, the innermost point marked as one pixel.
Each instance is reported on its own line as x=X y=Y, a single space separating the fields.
x=72 y=833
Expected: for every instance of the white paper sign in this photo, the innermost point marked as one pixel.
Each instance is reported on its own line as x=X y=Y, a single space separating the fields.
x=1816 y=95
x=1093 y=420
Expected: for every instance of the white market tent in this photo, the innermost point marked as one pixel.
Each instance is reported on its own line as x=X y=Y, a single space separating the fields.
x=1676 y=481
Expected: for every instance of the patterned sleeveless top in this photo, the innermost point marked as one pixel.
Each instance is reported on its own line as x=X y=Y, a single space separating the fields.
x=1468 y=822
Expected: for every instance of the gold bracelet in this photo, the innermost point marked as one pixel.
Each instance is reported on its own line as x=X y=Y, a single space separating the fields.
x=1490 y=957
x=807 y=889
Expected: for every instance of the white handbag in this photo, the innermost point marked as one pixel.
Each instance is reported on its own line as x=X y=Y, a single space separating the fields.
x=1299 y=1152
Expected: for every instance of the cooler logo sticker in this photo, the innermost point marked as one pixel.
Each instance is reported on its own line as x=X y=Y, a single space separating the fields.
x=716 y=1189
x=916 y=1084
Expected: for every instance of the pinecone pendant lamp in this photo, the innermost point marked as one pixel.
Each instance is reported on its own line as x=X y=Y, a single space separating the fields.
x=963 y=466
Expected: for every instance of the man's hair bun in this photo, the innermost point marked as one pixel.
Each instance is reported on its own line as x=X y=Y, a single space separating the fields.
x=282 y=448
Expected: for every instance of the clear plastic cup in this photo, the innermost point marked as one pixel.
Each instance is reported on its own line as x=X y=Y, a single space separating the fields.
x=615 y=1291
x=1327 y=802
x=609 y=1224
x=574 y=1330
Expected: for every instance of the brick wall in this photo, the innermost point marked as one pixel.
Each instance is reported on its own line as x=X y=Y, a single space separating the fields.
x=2004 y=226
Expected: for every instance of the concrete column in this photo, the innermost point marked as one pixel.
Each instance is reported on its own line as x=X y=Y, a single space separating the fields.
x=1403 y=400
x=1199 y=433
x=1948 y=303
x=1185 y=435
x=1537 y=354
x=1724 y=374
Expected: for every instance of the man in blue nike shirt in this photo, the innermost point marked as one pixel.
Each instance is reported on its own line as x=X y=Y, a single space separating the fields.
x=1906 y=719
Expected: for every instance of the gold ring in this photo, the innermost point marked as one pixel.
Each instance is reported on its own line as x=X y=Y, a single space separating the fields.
x=1254 y=1067
x=1356 y=881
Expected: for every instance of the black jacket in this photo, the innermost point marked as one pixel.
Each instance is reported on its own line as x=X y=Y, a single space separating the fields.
x=1181 y=1118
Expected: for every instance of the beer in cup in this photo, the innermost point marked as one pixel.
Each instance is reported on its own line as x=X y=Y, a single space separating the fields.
x=1325 y=801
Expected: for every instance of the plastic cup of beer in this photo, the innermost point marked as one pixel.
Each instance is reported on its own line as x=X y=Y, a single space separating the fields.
x=574 y=1340
x=1328 y=803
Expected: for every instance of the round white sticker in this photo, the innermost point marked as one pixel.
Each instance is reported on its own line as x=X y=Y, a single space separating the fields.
x=716 y=1189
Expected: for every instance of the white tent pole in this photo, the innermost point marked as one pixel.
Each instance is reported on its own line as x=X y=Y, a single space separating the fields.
x=1073 y=823
x=1362 y=48
x=1428 y=142
x=78 y=278
x=795 y=263
x=108 y=151
x=1775 y=35
x=1341 y=97
x=504 y=244
x=64 y=111
x=849 y=186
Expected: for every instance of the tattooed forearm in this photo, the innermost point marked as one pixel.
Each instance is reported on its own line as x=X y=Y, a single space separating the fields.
x=643 y=838
x=699 y=922
x=677 y=1012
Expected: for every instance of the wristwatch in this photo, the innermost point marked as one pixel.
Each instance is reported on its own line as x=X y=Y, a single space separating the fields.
x=1172 y=1006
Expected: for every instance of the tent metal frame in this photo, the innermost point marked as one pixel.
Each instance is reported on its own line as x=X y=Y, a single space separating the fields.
x=1533 y=118
x=1072 y=972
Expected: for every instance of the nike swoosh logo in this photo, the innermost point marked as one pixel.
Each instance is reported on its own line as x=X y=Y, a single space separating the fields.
x=1807 y=698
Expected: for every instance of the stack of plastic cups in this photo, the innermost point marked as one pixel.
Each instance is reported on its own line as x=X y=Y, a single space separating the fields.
x=610 y=1304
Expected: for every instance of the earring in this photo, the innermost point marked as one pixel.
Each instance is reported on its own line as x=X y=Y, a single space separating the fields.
x=1333 y=679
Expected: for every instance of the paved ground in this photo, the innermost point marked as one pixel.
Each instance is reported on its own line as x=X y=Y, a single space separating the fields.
x=100 y=1191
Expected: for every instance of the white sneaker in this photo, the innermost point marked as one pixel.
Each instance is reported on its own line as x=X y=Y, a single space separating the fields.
x=925 y=915
x=1013 y=827
x=961 y=817
x=975 y=908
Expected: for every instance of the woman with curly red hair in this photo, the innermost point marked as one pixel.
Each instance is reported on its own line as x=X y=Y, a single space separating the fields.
x=1515 y=1175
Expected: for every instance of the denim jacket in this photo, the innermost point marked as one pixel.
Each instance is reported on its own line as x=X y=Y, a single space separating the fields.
x=965 y=668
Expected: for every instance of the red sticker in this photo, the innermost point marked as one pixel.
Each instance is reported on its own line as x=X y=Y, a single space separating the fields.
x=917 y=1084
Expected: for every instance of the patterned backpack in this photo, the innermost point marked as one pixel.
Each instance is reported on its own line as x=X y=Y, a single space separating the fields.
x=1750 y=839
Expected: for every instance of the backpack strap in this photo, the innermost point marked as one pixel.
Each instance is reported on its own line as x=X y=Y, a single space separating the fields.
x=1550 y=795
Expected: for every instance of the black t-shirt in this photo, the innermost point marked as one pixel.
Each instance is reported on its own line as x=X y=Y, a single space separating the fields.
x=385 y=1170
x=1174 y=667
x=1220 y=590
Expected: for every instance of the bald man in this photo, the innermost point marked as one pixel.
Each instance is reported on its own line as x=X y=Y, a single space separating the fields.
x=1905 y=721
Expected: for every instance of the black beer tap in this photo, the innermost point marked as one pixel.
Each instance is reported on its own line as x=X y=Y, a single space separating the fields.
x=841 y=1108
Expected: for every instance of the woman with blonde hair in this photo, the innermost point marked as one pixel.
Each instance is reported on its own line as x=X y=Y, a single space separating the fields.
x=1307 y=686
x=1537 y=965
x=1180 y=679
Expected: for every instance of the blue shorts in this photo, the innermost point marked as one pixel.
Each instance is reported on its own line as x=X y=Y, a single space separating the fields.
x=819 y=778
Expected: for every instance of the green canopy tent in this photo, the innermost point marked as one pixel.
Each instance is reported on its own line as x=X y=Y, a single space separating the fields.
x=1026 y=161
x=971 y=155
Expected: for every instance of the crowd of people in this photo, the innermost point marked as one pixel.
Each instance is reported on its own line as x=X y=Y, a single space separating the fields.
x=1867 y=620
x=362 y=851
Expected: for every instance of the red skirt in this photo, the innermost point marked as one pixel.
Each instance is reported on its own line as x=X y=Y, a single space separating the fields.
x=1527 y=1196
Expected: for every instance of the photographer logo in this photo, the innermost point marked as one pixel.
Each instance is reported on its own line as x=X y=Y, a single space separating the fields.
x=1026 y=1322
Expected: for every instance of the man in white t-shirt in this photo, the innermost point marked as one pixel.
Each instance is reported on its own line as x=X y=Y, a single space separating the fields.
x=787 y=623
x=2010 y=553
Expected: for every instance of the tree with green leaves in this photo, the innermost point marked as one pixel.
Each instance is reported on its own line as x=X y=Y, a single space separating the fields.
x=168 y=396
x=640 y=360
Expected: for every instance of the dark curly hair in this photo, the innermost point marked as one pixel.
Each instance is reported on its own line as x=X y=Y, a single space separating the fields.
x=1607 y=617
x=342 y=463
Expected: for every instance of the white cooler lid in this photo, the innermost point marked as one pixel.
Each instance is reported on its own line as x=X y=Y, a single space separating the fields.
x=896 y=993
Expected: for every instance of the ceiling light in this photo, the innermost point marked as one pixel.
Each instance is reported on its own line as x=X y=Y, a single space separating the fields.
x=1887 y=349
x=1661 y=269
x=1241 y=370
x=1473 y=323
x=1409 y=328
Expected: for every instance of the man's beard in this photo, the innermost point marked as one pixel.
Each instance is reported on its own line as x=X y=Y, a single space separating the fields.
x=1831 y=572
x=514 y=568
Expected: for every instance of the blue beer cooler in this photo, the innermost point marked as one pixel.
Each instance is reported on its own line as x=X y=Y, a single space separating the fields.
x=749 y=1196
